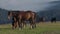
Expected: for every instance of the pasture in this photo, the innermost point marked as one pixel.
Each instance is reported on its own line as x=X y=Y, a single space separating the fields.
x=42 y=28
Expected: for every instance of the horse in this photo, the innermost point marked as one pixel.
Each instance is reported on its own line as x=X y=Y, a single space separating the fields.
x=14 y=15
x=53 y=19
x=26 y=15
x=21 y=16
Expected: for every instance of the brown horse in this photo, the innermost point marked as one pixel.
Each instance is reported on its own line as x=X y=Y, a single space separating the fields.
x=21 y=16
x=27 y=15
x=14 y=15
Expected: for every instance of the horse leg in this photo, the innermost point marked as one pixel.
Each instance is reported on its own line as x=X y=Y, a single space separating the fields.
x=13 y=26
x=20 y=24
x=33 y=24
x=23 y=24
x=16 y=24
x=30 y=23
x=13 y=23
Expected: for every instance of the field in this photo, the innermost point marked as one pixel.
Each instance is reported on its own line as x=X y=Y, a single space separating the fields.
x=42 y=28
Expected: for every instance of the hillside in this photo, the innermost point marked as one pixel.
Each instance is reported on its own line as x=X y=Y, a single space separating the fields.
x=3 y=16
x=53 y=11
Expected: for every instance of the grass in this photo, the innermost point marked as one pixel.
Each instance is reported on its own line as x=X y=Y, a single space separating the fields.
x=42 y=28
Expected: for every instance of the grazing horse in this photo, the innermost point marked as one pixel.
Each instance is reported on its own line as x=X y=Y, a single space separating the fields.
x=14 y=15
x=53 y=19
x=21 y=16
x=27 y=15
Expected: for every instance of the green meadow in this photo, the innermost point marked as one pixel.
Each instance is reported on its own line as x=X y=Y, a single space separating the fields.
x=42 y=28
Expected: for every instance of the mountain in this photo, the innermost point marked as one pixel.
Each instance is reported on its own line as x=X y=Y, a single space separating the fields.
x=53 y=11
x=3 y=16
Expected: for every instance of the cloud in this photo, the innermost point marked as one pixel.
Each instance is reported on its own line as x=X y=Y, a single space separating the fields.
x=24 y=4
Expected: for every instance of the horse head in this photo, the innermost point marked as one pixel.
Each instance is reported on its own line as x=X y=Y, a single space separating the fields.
x=9 y=14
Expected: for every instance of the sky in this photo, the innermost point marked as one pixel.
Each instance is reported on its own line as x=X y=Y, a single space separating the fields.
x=33 y=5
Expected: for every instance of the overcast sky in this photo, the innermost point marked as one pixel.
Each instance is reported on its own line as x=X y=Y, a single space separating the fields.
x=25 y=4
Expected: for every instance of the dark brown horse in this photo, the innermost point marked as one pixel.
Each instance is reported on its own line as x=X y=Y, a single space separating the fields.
x=14 y=15
x=21 y=16
x=53 y=19
x=27 y=15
